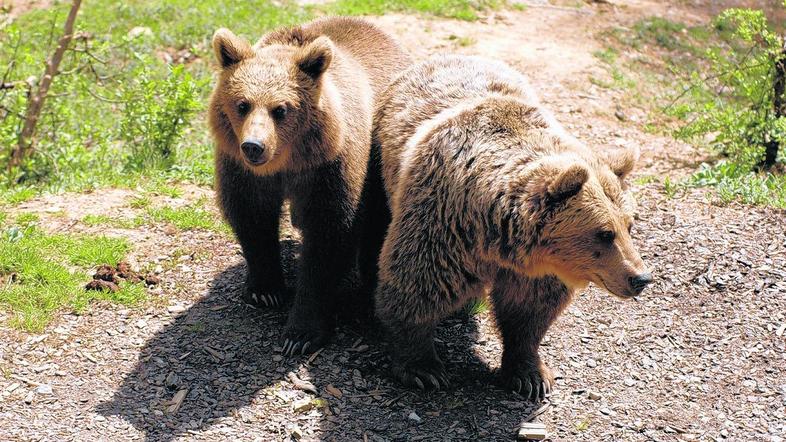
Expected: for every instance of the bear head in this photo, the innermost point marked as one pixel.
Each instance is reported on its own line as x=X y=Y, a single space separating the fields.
x=265 y=110
x=582 y=215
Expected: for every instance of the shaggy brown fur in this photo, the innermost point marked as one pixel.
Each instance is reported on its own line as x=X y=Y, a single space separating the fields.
x=292 y=117
x=488 y=192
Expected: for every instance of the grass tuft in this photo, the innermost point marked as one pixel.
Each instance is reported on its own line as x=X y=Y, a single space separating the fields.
x=42 y=273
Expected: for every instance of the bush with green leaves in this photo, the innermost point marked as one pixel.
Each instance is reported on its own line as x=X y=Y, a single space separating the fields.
x=732 y=106
x=155 y=113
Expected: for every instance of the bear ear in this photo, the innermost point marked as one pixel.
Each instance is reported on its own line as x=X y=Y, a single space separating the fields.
x=568 y=182
x=622 y=161
x=229 y=48
x=314 y=59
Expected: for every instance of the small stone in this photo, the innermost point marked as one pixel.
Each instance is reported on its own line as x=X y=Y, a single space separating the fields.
x=177 y=308
x=302 y=405
x=629 y=382
x=414 y=417
x=607 y=411
x=172 y=381
x=296 y=433
x=44 y=389
x=138 y=31
x=591 y=363
x=724 y=433
x=100 y=418
x=594 y=396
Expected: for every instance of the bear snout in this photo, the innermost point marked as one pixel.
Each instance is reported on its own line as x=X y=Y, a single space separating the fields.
x=254 y=151
x=639 y=282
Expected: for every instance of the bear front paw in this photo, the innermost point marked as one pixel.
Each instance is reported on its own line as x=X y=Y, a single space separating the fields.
x=301 y=340
x=534 y=383
x=423 y=374
x=261 y=298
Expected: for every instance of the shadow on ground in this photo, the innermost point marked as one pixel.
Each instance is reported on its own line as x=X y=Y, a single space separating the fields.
x=226 y=356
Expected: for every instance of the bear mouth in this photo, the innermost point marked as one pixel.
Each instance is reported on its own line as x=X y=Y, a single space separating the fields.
x=627 y=294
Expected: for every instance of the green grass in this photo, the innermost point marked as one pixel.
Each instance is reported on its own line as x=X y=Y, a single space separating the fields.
x=190 y=217
x=132 y=94
x=670 y=56
x=458 y=9
x=41 y=274
x=733 y=182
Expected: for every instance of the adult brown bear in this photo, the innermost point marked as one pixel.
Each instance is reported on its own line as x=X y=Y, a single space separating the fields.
x=488 y=192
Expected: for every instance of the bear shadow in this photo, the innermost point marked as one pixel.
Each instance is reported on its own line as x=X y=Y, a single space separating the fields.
x=226 y=357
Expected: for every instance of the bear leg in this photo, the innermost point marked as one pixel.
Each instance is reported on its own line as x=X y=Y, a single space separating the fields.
x=252 y=206
x=415 y=362
x=327 y=217
x=375 y=219
x=524 y=309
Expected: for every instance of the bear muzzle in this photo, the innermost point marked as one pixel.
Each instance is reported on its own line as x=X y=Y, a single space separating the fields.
x=255 y=152
x=639 y=282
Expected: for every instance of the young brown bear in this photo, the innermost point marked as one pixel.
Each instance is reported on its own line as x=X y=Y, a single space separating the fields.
x=292 y=117
x=488 y=192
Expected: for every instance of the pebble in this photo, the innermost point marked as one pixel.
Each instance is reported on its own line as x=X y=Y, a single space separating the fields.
x=591 y=363
x=594 y=396
x=172 y=380
x=44 y=389
x=414 y=417
x=177 y=308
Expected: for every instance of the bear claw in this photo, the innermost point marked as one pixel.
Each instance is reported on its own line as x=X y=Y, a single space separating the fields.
x=267 y=300
x=530 y=385
x=423 y=378
x=300 y=343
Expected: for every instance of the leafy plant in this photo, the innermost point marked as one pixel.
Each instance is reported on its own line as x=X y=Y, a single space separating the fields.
x=155 y=114
x=737 y=105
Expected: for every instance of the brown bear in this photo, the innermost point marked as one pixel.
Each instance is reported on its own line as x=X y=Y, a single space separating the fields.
x=489 y=193
x=291 y=117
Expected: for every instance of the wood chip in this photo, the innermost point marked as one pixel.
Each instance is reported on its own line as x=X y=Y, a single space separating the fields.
x=217 y=354
x=313 y=356
x=333 y=391
x=532 y=431
x=177 y=401
x=25 y=380
x=301 y=384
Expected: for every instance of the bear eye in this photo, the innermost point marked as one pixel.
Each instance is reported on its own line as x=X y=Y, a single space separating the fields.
x=279 y=112
x=243 y=107
x=606 y=236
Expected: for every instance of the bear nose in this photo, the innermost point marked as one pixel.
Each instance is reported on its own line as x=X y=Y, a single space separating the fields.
x=254 y=151
x=638 y=282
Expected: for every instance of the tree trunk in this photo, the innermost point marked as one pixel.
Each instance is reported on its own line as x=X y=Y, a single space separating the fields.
x=779 y=103
x=25 y=144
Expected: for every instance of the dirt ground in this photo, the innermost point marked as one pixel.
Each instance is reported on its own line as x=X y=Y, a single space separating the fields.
x=701 y=356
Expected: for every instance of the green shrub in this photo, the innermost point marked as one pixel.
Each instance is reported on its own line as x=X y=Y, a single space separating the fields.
x=155 y=112
x=731 y=106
